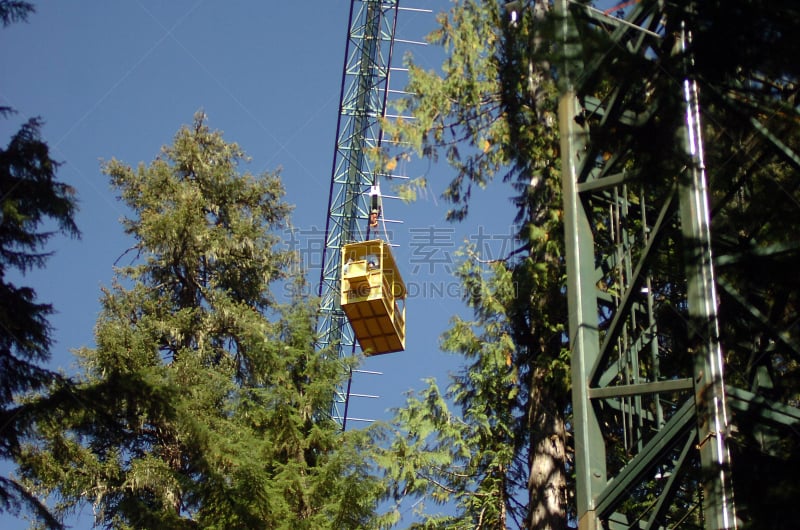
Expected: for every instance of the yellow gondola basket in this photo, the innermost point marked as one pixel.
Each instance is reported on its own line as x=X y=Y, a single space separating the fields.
x=373 y=297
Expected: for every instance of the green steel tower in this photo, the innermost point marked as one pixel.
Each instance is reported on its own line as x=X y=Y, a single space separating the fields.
x=364 y=93
x=681 y=219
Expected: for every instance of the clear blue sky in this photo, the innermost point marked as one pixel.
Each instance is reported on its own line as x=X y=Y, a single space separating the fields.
x=117 y=79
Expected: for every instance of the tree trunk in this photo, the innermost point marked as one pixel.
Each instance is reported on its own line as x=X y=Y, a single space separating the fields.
x=547 y=484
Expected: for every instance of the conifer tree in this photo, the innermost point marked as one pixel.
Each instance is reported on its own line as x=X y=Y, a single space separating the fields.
x=34 y=207
x=499 y=456
x=30 y=196
x=200 y=406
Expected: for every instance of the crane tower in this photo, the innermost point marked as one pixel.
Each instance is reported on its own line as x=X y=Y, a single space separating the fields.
x=666 y=172
x=354 y=178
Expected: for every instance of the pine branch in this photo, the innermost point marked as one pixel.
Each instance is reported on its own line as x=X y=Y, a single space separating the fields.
x=474 y=256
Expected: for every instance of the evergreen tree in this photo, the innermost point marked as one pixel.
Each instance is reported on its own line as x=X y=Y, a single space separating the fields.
x=34 y=207
x=491 y=113
x=30 y=196
x=200 y=405
x=14 y=11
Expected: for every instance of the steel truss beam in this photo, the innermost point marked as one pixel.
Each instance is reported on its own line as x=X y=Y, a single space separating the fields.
x=364 y=92
x=648 y=326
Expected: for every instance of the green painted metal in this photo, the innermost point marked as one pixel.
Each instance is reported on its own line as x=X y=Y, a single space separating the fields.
x=362 y=104
x=771 y=411
x=713 y=423
x=583 y=326
x=671 y=385
x=660 y=509
x=629 y=428
x=589 y=455
x=654 y=419
x=639 y=468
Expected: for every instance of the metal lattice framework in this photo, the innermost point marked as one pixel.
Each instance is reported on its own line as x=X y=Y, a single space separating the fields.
x=364 y=93
x=665 y=180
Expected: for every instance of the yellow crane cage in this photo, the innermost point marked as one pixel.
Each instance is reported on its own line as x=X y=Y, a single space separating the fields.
x=373 y=297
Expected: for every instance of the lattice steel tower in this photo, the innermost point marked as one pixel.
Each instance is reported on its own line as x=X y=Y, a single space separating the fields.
x=681 y=214
x=364 y=93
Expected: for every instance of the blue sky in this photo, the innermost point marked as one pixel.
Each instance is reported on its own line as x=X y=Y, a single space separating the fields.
x=117 y=79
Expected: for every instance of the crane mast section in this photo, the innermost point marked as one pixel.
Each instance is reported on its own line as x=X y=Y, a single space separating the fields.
x=362 y=105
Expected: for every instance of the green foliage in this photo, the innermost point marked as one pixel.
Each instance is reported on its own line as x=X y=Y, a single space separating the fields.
x=15 y=11
x=477 y=456
x=200 y=405
x=481 y=445
x=460 y=108
x=30 y=196
x=34 y=207
x=490 y=111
